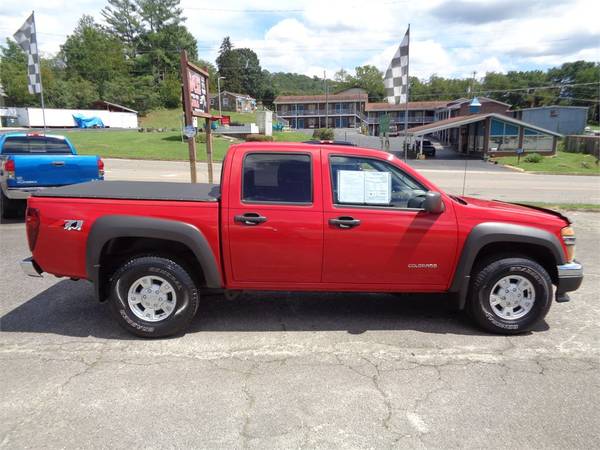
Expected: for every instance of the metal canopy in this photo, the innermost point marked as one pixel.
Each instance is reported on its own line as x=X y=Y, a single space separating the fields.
x=455 y=122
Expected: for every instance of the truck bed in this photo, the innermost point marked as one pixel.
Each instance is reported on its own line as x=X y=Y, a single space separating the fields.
x=137 y=190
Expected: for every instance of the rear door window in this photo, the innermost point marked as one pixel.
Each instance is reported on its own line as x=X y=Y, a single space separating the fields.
x=277 y=178
x=20 y=145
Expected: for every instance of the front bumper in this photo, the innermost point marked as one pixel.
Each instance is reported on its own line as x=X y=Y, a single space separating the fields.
x=30 y=268
x=570 y=276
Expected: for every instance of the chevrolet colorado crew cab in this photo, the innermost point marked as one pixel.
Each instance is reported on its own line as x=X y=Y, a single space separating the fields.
x=33 y=161
x=300 y=217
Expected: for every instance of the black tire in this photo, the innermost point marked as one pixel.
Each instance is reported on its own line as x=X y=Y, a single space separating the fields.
x=485 y=278
x=2 y=207
x=11 y=208
x=186 y=296
x=7 y=207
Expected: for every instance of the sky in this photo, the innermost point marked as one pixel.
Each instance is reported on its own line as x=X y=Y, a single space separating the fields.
x=449 y=38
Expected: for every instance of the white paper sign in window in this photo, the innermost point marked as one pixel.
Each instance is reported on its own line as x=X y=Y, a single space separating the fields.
x=373 y=188
x=351 y=186
x=378 y=188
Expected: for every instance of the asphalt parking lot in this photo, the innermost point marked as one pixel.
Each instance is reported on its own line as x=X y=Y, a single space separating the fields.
x=295 y=370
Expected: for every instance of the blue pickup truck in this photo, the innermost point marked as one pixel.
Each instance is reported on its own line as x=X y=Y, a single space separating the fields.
x=33 y=161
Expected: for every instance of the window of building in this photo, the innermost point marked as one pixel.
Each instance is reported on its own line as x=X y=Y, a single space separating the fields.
x=503 y=136
x=372 y=182
x=277 y=178
x=225 y=101
x=534 y=141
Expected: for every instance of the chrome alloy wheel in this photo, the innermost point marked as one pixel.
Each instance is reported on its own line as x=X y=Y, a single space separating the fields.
x=152 y=298
x=512 y=297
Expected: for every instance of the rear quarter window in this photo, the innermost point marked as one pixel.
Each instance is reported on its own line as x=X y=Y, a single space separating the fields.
x=22 y=145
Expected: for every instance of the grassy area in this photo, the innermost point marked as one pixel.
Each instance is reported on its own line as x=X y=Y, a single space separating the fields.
x=562 y=163
x=136 y=145
x=171 y=118
x=566 y=206
x=161 y=146
x=290 y=136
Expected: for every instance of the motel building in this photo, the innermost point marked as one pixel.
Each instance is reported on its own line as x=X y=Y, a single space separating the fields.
x=346 y=109
x=419 y=113
x=479 y=127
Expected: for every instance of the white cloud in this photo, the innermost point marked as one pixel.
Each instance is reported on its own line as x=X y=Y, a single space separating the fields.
x=54 y=19
x=327 y=35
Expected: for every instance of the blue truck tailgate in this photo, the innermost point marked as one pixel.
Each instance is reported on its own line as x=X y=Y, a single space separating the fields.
x=53 y=170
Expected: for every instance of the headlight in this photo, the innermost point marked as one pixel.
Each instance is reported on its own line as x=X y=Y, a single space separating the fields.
x=568 y=235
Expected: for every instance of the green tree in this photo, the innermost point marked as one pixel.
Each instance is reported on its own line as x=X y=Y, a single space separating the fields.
x=367 y=77
x=139 y=93
x=93 y=54
x=341 y=75
x=124 y=22
x=586 y=75
x=251 y=75
x=158 y=14
x=13 y=75
x=228 y=65
x=170 y=91
x=159 y=50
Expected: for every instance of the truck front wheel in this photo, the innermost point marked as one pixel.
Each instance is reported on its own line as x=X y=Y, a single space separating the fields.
x=510 y=295
x=152 y=296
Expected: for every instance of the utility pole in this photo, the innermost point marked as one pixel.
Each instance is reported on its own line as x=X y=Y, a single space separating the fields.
x=473 y=83
x=219 y=89
x=326 y=100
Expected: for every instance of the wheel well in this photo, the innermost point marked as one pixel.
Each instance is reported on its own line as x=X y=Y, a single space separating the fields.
x=538 y=253
x=117 y=251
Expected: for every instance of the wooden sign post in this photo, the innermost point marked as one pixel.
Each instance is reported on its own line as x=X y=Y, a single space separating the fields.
x=196 y=103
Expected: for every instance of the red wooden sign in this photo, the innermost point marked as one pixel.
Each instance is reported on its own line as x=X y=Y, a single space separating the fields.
x=196 y=98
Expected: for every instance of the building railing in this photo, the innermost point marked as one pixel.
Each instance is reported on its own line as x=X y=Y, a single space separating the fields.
x=317 y=112
x=412 y=120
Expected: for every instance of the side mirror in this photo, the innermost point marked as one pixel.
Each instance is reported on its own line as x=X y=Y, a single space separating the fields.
x=433 y=203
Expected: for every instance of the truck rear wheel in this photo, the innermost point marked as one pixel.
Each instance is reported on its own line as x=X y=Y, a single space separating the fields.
x=8 y=207
x=152 y=296
x=510 y=295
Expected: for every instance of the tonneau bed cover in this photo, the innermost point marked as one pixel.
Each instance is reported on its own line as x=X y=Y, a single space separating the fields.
x=136 y=190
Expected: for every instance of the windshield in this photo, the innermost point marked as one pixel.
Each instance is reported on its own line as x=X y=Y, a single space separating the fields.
x=19 y=145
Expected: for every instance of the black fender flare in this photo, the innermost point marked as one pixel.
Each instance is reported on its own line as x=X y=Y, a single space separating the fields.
x=115 y=226
x=498 y=232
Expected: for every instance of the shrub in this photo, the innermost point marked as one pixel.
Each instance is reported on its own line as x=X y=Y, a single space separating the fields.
x=323 y=134
x=258 y=138
x=533 y=158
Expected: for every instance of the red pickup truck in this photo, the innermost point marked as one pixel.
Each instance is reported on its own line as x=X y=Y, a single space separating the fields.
x=300 y=217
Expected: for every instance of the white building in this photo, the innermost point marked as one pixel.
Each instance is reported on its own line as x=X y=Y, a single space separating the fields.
x=111 y=114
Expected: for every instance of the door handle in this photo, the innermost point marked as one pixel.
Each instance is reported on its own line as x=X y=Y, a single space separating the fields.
x=250 y=219
x=345 y=222
x=58 y=163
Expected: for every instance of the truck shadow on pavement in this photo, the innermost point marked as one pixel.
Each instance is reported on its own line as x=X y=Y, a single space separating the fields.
x=69 y=308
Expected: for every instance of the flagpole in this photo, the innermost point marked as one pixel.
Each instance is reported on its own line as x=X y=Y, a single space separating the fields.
x=407 y=93
x=40 y=63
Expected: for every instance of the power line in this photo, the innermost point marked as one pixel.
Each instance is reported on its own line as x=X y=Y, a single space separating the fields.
x=275 y=11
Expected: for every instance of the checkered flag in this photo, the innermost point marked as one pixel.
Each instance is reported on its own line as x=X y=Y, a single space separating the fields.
x=26 y=38
x=396 y=76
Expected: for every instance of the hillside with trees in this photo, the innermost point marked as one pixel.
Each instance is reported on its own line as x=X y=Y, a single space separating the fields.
x=133 y=59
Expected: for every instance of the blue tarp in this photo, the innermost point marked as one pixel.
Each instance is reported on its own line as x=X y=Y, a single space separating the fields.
x=87 y=122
